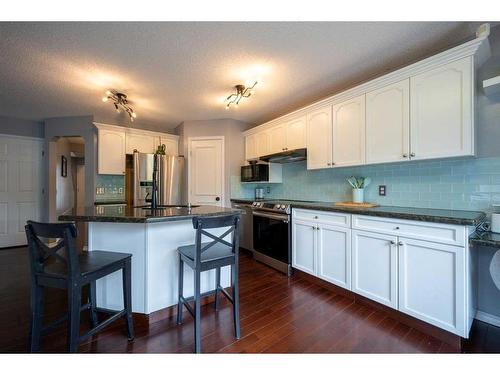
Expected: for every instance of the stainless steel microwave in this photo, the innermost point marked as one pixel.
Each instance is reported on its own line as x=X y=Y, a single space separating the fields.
x=255 y=173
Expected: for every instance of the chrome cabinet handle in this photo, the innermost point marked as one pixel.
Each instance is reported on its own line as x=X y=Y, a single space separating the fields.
x=405 y=155
x=412 y=154
x=393 y=243
x=400 y=243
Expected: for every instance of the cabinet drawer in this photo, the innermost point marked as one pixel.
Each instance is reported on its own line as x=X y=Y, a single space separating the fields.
x=442 y=233
x=325 y=217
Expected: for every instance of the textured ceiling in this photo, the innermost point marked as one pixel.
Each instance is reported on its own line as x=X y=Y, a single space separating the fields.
x=175 y=71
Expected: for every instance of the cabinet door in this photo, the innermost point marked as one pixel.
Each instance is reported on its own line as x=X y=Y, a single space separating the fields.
x=334 y=255
x=319 y=138
x=140 y=142
x=388 y=123
x=432 y=283
x=441 y=111
x=262 y=143
x=171 y=146
x=374 y=267
x=304 y=246
x=251 y=147
x=277 y=139
x=296 y=133
x=348 y=119
x=111 y=152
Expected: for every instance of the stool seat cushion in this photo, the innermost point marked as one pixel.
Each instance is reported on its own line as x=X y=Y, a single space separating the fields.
x=89 y=262
x=215 y=252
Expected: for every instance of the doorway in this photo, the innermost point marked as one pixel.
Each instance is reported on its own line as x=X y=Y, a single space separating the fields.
x=206 y=170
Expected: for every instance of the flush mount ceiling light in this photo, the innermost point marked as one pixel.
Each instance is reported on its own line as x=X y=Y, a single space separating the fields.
x=120 y=102
x=241 y=92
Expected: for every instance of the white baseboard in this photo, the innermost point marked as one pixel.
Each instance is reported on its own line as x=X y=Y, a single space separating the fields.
x=488 y=318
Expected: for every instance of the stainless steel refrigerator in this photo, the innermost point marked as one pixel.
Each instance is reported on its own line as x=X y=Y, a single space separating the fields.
x=170 y=179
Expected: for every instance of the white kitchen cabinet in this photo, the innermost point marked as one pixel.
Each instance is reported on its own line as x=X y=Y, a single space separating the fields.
x=375 y=267
x=388 y=123
x=432 y=283
x=296 y=133
x=348 y=132
x=334 y=255
x=304 y=246
x=262 y=143
x=144 y=143
x=111 y=151
x=277 y=139
x=319 y=138
x=251 y=147
x=171 y=145
x=441 y=111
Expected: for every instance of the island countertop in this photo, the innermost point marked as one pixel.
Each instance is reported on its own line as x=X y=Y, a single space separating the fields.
x=130 y=214
x=444 y=216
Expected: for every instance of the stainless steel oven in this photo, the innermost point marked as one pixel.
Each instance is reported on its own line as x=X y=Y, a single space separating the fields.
x=272 y=235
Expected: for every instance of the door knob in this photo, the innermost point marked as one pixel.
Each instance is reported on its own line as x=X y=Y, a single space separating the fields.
x=217 y=199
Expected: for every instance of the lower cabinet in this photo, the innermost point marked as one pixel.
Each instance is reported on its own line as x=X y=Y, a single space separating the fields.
x=375 y=267
x=432 y=285
x=322 y=250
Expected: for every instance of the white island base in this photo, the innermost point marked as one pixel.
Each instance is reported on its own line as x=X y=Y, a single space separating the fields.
x=155 y=263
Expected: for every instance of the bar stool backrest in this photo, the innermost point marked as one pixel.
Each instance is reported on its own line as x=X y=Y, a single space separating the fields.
x=63 y=250
x=211 y=222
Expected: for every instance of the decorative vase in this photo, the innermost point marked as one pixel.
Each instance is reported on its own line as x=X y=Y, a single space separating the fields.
x=358 y=195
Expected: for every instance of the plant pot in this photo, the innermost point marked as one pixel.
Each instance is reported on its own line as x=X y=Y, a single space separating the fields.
x=358 y=195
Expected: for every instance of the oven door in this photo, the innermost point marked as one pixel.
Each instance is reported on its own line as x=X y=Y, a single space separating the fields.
x=271 y=235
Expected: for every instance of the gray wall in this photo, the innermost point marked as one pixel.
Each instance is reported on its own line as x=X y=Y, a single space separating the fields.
x=25 y=128
x=234 y=153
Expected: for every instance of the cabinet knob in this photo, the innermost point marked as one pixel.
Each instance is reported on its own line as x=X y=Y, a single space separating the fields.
x=315 y=217
x=400 y=243
x=396 y=228
x=393 y=243
x=313 y=228
x=412 y=154
x=329 y=164
x=405 y=155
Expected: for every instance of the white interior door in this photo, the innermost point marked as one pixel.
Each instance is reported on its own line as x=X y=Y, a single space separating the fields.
x=206 y=171
x=20 y=187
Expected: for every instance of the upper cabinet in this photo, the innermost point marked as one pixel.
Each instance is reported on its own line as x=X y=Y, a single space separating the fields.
x=111 y=151
x=114 y=142
x=388 y=123
x=144 y=143
x=348 y=119
x=422 y=111
x=319 y=138
x=441 y=111
x=296 y=133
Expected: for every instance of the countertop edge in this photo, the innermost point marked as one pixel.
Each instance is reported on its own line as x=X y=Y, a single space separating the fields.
x=394 y=215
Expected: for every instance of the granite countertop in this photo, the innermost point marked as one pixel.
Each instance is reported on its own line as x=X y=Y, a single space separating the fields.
x=457 y=217
x=130 y=214
x=489 y=239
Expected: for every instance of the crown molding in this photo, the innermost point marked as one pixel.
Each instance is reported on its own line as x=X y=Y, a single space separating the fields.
x=135 y=131
x=478 y=47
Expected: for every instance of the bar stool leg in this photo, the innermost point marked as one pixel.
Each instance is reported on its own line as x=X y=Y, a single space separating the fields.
x=36 y=317
x=93 y=304
x=180 y=292
x=236 y=299
x=197 y=312
x=74 y=301
x=127 y=298
x=217 y=286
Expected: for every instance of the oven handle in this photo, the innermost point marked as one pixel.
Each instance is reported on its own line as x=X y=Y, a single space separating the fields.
x=283 y=218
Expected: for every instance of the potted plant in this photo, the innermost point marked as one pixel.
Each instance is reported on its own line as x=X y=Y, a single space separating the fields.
x=358 y=187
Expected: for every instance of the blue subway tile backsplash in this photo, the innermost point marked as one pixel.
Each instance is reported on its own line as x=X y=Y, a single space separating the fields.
x=465 y=184
x=113 y=188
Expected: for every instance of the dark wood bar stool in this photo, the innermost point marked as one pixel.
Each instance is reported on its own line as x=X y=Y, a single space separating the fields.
x=207 y=256
x=58 y=265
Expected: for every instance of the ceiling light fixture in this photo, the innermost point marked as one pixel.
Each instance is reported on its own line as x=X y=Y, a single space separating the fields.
x=120 y=102
x=241 y=92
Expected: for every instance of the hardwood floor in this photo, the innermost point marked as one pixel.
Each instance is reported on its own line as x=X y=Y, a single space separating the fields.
x=278 y=315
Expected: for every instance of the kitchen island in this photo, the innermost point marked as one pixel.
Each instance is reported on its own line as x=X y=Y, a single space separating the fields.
x=152 y=237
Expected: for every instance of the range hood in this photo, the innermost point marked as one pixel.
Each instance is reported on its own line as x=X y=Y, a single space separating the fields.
x=289 y=156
